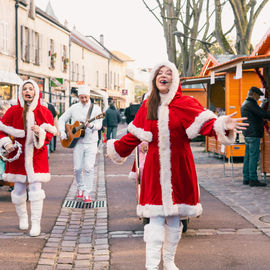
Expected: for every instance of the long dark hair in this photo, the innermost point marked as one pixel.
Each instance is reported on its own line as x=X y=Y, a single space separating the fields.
x=154 y=99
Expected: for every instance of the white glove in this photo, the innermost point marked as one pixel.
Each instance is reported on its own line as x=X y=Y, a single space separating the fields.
x=63 y=135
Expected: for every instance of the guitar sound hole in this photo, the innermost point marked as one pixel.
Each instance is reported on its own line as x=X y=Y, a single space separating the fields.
x=73 y=130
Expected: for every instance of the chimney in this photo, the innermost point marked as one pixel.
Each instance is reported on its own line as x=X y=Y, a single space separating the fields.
x=101 y=38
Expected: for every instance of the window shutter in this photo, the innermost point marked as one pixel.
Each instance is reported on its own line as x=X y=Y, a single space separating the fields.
x=1 y=36
x=22 y=43
x=48 y=52
x=39 y=48
x=6 y=37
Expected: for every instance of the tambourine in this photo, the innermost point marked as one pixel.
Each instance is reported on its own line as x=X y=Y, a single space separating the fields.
x=4 y=153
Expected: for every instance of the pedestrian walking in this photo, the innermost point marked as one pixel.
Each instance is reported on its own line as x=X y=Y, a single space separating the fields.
x=85 y=150
x=111 y=121
x=252 y=135
x=169 y=189
x=31 y=126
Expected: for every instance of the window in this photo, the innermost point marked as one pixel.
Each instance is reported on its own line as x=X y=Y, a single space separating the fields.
x=83 y=74
x=3 y=37
x=73 y=71
x=37 y=49
x=25 y=43
x=77 y=72
x=106 y=80
x=51 y=54
x=65 y=59
x=97 y=85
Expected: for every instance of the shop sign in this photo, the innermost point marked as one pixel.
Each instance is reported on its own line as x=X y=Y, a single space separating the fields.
x=56 y=82
x=80 y=82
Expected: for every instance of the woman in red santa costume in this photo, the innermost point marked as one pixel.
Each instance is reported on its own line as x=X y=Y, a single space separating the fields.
x=169 y=189
x=31 y=125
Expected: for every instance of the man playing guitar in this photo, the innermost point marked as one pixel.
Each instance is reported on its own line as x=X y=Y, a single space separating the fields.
x=84 y=153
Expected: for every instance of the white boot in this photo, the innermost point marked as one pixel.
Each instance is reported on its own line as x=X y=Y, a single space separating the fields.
x=171 y=239
x=36 y=203
x=153 y=237
x=20 y=204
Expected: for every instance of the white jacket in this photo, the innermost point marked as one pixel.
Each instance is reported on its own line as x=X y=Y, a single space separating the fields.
x=78 y=112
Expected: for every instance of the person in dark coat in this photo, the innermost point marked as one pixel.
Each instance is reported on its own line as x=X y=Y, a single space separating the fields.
x=111 y=121
x=253 y=134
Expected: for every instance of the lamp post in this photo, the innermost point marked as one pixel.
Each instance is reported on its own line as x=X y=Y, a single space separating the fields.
x=205 y=43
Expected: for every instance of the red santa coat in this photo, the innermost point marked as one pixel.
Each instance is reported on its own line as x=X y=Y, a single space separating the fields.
x=33 y=161
x=169 y=182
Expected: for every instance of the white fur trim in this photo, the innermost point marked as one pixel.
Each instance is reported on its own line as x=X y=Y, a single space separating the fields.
x=184 y=210
x=4 y=141
x=174 y=84
x=34 y=103
x=10 y=177
x=153 y=232
x=49 y=128
x=132 y=175
x=40 y=139
x=141 y=134
x=165 y=159
x=36 y=195
x=194 y=129
x=112 y=154
x=18 y=199
x=38 y=177
x=220 y=128
x=17 y=133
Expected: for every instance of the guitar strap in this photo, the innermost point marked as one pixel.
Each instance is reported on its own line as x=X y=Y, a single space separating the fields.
x=89 y=112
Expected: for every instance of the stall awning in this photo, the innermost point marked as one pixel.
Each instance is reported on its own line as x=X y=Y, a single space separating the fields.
x=9 y=78
x=198 y=80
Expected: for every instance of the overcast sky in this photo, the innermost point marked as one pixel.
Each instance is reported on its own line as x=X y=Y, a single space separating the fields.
x=127 y=26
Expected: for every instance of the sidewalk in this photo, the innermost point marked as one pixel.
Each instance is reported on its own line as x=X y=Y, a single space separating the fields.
x=80 y=237
x=252 y=203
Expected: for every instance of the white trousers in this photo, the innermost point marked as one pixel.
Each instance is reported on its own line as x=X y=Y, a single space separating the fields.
x=84 y=158
x=171 y=221
x=20 y=188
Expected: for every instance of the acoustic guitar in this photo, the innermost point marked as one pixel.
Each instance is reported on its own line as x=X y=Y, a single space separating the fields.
x=77 y=130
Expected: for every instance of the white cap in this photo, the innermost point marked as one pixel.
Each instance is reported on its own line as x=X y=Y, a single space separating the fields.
x=83 y=90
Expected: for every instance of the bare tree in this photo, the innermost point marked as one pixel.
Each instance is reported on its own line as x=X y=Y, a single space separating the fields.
x=245 y=14
x=183 y=21
x=185 y=15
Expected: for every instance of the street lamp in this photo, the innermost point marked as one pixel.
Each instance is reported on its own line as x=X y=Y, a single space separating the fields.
x=205 y=43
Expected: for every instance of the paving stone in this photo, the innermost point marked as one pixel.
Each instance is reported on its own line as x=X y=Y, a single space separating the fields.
x=46 y=261
x=82 y=263
x=65 y=260
x=64 y=267
x=45 y=255
x=44 y=267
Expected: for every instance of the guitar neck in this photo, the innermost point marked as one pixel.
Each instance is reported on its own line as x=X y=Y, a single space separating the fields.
x=88 y=121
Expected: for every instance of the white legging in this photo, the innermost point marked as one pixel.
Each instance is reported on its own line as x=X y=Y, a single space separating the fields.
x=20 y=188
x=171 y=221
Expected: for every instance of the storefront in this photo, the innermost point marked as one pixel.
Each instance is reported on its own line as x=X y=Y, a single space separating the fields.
x=57 y=93
x=8 y=83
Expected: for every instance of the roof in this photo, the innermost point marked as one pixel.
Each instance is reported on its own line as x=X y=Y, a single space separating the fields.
x=215 y=60
x=263 y=47
x=51 y=19
x=123 y=56
x=200 y=79
x=247 y=62
x=88 y=44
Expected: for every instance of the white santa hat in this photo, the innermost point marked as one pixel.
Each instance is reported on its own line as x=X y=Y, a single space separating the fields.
x=83 y=90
